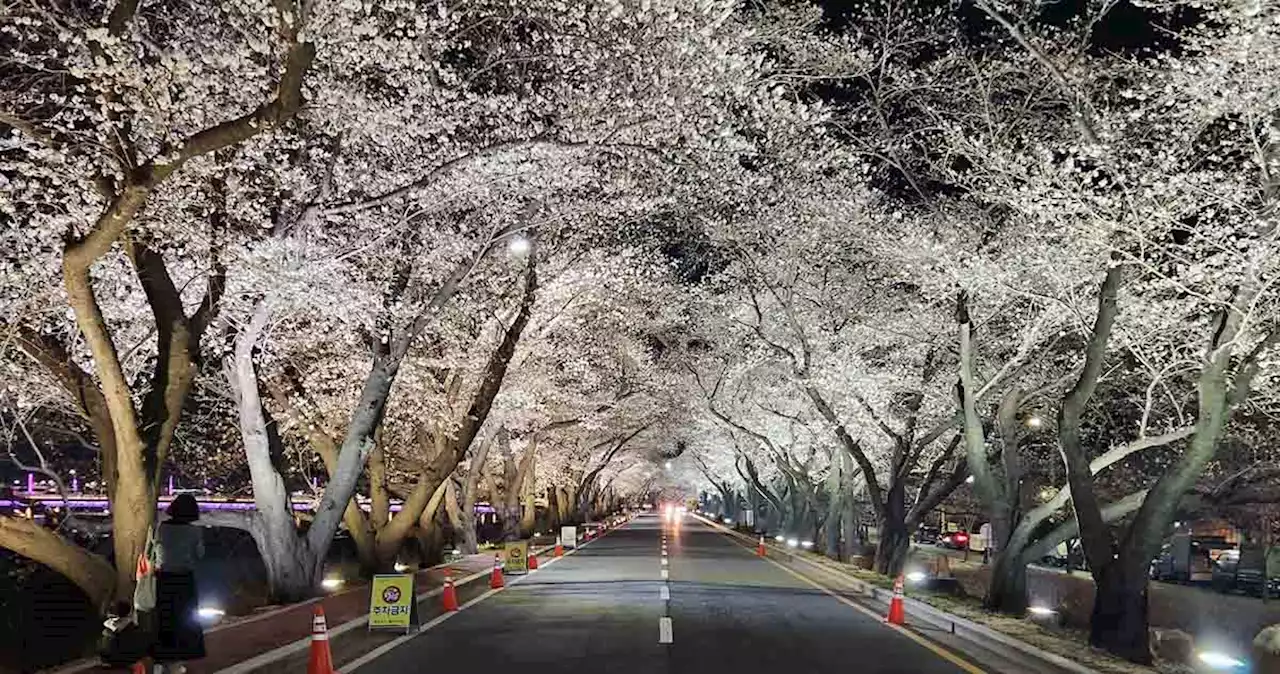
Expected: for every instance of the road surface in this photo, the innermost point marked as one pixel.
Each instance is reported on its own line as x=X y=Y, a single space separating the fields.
x=602 y=609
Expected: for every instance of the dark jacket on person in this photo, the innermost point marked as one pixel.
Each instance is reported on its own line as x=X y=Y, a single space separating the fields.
x=179 y=635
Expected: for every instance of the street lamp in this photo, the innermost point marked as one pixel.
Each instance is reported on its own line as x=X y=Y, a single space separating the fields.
x=668 y=465
x=1034 y=421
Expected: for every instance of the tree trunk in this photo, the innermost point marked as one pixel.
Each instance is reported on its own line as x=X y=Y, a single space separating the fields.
x=430 y=537
x=453 y=510
x=1007 y=591
x=835 y=509
x=470 y=543
x=292 y=569
x=91 y=573
x=850 y=541
x=1119 y=621
x=421 y=503
x=133 y=497
x=467 y=509
x=508 y=504
x=892 y=548
x=831 y=531
x=528 y=495
x=352 y=454
x=553 y=509
x=367 y=415
x=566 y=505
x=895 y=539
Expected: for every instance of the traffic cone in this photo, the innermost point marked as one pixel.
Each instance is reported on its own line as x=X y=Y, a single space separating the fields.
x=321 y=661
x=142 y=666
x=897 y=614
x=533 y=562
x=559 y=547
x=495 y=578
x=449 y=598
x=760 y=547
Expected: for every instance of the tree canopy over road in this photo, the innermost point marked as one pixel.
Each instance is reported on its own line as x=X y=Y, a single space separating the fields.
x=825 y=261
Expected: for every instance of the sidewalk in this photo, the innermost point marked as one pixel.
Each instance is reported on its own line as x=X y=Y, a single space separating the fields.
x=1224 y=622
x=242 y=641
x=281 y=643
x=278 y=638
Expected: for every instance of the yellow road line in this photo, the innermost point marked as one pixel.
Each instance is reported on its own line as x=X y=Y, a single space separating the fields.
x=933 y=647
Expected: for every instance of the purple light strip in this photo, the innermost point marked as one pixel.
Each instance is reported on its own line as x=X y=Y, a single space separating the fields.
x=102 y=504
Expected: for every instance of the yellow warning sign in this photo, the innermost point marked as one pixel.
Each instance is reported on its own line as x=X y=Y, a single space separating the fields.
x=516 y=559
x=391 y=601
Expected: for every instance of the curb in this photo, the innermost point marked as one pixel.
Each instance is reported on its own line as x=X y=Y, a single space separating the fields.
x=961 y=627
x=286 y=650
x=92 y=663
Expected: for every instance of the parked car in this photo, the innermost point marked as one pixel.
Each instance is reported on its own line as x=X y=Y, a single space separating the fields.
x=1058 y=557
x=956 y=540
x=927 y=535
x=1242 y=570
x=1188 y=559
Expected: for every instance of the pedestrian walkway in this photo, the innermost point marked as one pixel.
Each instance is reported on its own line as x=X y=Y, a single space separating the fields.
x=278 y=637
x=248 y=645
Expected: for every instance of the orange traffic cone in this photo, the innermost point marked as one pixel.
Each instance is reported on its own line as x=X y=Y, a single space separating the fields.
x=495 y=578
x=449 y=598
x=321 y=661
x=760 y=547
x=533 y=562
x=897 y=615
x=559 y=547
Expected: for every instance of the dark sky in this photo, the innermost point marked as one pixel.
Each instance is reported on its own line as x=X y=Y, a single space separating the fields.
x=1126 y=27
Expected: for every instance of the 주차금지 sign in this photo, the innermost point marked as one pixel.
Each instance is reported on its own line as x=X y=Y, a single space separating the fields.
x=391 y=601
x=517 y=557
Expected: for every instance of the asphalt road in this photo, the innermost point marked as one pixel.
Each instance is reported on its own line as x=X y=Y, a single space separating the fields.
x=602 y=609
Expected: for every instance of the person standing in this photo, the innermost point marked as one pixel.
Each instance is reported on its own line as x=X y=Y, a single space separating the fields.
x=984 y=534
x=179 y=636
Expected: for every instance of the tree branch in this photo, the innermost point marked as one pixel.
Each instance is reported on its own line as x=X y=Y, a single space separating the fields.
x=1079 y=105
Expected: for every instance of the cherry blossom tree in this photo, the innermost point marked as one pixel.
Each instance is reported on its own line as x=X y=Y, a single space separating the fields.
x=1136 y=214
x=107 y=141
